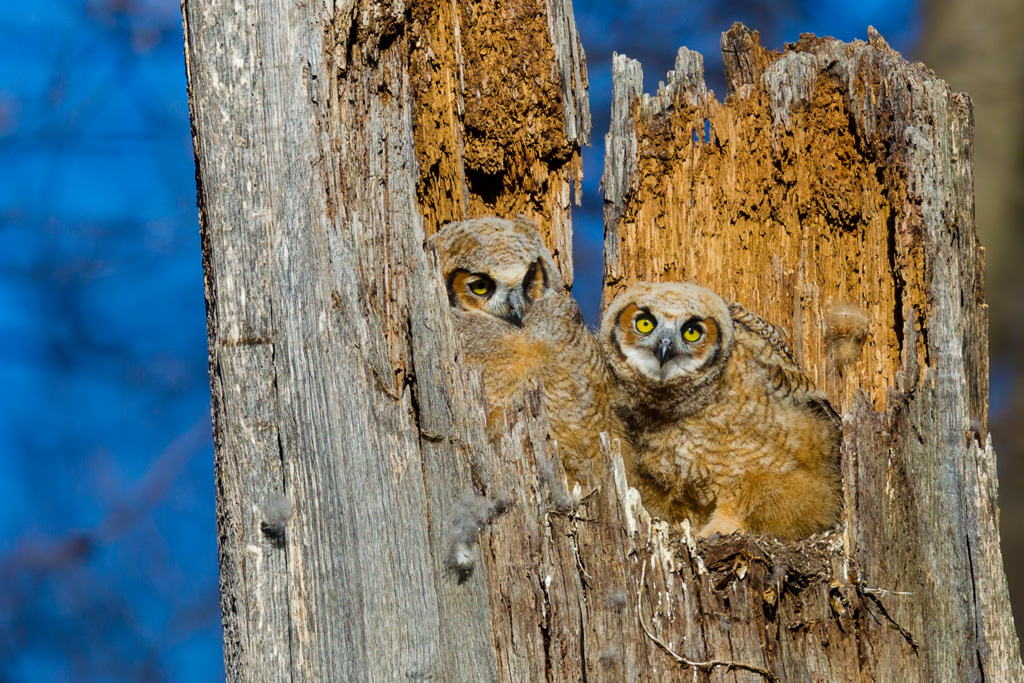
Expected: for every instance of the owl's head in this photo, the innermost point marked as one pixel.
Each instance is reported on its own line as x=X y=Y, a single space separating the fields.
x=496 y=267
x=671 y=334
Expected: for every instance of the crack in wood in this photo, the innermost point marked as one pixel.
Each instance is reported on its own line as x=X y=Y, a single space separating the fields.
x=705 y=666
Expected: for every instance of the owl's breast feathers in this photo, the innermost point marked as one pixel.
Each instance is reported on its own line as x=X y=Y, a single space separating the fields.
x=555 y=351
x=577 y=385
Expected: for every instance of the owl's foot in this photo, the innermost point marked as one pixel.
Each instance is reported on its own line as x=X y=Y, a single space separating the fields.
x=722 y=522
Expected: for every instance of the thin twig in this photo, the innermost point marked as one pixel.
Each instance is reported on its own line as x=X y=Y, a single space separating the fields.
x=579 y=560
x=587 y=497
x=872 y=594
x=573 y=515
x=907 y=635
x=708 y=666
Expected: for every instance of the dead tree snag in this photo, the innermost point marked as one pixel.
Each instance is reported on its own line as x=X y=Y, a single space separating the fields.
x=335 y=378
x=332 y=139
x=838 y=173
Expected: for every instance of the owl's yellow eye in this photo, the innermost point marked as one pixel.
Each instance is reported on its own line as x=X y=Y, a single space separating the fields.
x=480 y=286
x=644 y=324
x=692 y=333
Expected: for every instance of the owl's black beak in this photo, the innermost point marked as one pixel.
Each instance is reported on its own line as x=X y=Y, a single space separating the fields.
x=515 y=317
x=666 y=351
x=516 y=306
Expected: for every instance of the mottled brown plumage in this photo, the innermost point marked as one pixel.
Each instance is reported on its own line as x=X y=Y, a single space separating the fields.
x=521 y=330
x=727 y=431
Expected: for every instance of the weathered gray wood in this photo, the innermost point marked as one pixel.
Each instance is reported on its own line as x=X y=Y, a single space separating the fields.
x=835 y=173
x=341 y=410
x=572 y=67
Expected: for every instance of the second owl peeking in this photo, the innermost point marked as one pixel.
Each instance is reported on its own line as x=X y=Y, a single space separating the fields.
x=718 y=424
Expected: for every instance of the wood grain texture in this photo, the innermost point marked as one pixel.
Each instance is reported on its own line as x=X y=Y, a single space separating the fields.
x=335 y=374
x=839 y=173
x=501 y=114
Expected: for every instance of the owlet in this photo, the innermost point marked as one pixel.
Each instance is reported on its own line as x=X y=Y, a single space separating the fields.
x=521 y=330
x=727 y=430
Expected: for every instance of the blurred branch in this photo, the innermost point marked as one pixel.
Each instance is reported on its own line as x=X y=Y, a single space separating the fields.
x=41 y=556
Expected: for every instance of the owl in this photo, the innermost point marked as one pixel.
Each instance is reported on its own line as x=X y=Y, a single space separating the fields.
x=726 y=430
x=521 y=330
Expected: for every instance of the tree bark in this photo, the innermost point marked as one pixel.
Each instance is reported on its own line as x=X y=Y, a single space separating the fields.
x=329 y=140
x=964 y=43
x=350 y=451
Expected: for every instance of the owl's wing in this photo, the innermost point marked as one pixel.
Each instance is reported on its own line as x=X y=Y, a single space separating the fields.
x=770 y=350
x=761 y=334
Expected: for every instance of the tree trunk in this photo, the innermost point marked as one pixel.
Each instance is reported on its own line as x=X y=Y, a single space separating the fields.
x=834 y=175
x=350 y=450
x=964 y=42
x=345 y=426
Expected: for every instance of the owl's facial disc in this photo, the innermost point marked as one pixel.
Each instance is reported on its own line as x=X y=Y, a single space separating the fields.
x=686 y=346
x=662 y=347
x=506 y=294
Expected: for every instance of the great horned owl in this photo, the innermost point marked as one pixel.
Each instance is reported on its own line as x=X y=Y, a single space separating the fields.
x=727 y=430
x=520 y=328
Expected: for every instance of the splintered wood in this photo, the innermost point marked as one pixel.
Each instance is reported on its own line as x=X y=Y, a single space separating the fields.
x=497 y=134
x=831 y=192
x=789 y=198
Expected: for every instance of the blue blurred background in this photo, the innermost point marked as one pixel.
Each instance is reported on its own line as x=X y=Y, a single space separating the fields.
x=108 y=557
